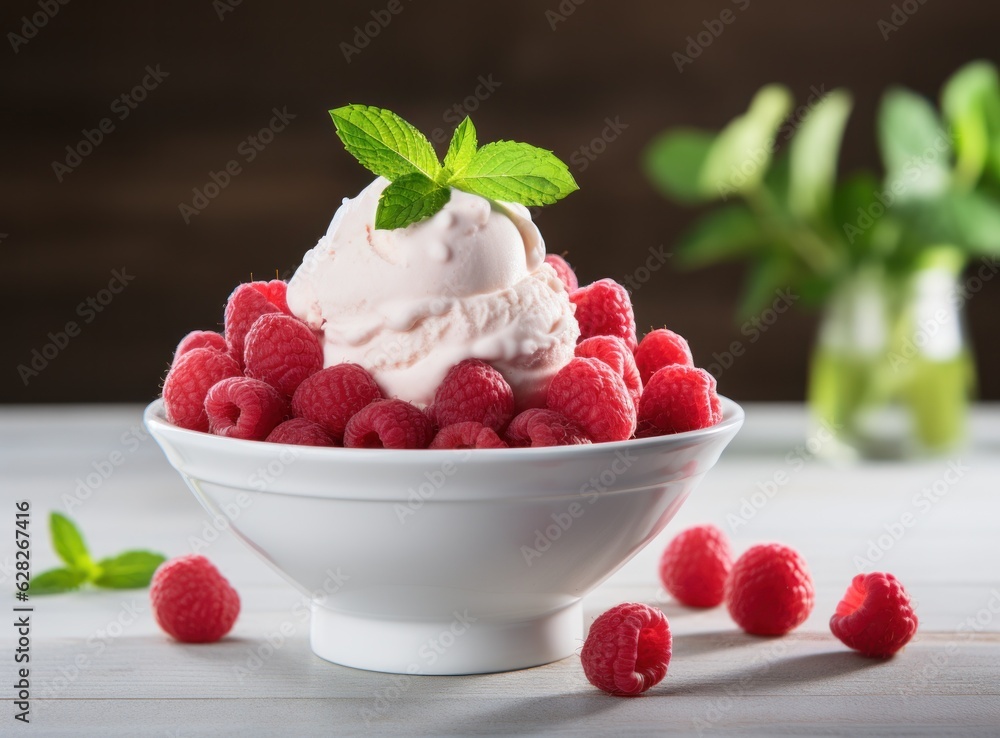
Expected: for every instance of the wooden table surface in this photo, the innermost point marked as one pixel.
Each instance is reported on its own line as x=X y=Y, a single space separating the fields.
x=100 y=666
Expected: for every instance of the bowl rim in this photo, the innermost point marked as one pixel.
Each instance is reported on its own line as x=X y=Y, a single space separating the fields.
x=154 y=417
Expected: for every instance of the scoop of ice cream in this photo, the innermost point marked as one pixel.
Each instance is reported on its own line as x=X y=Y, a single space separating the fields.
x=408 y=304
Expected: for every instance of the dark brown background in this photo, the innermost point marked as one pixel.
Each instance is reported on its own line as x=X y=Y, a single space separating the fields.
x=119 y=208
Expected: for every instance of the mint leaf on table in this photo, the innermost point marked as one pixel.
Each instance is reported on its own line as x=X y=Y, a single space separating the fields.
x=56 y=581
x=68 y=543
x=128 y=570
x=409 y=199
x=461 y=149
x=516 y=172
x=384 y=143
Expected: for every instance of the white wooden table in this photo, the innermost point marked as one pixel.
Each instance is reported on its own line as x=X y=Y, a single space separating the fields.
x=100 y=666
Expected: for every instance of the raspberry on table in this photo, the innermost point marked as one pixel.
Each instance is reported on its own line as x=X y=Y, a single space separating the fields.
x=661 y=348
x=469 y=434
x=875 y=617
x=769 y=590
x=676 y=399
x=282 y=351
x=247 y=303
x=564 y=271
x=300 y=432
x=200 y=339
x=594 y=396
x=613 y=352
x=627 y=650
x=695 y=565
x=540 y=427
x=241 y=407
x=605 y=309
x=472 y=390
x=192 y=601
x=389 y=424
x=189 y=380
x=332 y=396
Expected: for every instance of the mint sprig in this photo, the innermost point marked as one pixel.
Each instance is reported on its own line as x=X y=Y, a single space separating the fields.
x=420 y=185
x=127 y=570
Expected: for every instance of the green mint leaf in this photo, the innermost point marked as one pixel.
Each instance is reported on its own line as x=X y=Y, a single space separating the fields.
x=68 y=543
x=409 y=199
x=384 y=143
x=128 y=570
x=814 y=153
x=516 y=172
x=916 y=149
x=675 y=163
x=56 y=581
x=461 y=149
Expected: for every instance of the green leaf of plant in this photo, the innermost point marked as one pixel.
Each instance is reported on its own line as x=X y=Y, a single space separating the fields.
x=461 y=149
x=675 y=161
x=853 y=214
x=56 y=581
x=68 y=543
x=915 y=147
x=978 y=220
x=813 y=156
x=741 y=154
x=384 y=143
x=766 y=278
x=728 y=233
x=516 y=172
x=970 y=100
x=409 y=199
x=128 y=570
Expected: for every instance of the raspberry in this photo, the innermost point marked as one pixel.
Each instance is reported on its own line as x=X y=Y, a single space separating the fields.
x=875 y=617
x=192 y=601
x=605 y=309
x=333 y=395
x=627 y=650
x=540 y=427
x=467 y=435
x=613 y=352
x=282 y=351
x=695 y=564
x=247 y=303
x=676 y=399
x=240 y=407
x=200 y=339
x=275 y=291
x=661 y=348
x=300 y=432
x=189 y=380
x=594 y=396
x=769 y=590
x=564 y=271
x=389 y=424
x=472 y=390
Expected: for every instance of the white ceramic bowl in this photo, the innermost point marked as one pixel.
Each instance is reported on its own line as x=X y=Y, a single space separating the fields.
x=445 y=562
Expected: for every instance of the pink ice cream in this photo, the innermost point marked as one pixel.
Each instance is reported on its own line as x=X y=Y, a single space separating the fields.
x=408 y=304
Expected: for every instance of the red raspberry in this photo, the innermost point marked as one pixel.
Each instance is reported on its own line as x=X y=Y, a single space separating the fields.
x=200 y=339
x=661 y=348
x=564 y=271
x=472 y=390
x=676 y=399
x=275 y=291
x=594 y=396
x=540 y=427
x=241 y=407
x=192 y=601
x=467 y=435
x=300 y=432
x=605 y=309
x=627 y=650
x=389 y=424
x=875 y=617
x=695 y=564
x=247 y=303
x=333 y=395
x=282 y=351
x=769 y=590
x=613 y=352
x=189 y=380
